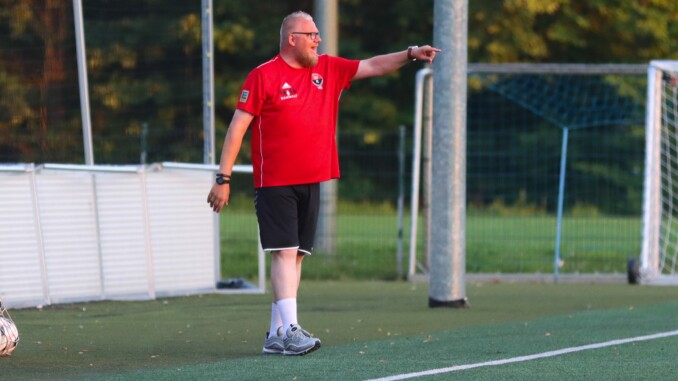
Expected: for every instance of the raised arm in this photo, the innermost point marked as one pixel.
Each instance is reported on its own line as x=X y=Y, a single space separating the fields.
x=387 y=63
x=219 y=194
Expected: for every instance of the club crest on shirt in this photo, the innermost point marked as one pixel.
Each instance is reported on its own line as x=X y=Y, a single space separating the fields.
x=244 y=95
x=317 y=80
x=287 y=92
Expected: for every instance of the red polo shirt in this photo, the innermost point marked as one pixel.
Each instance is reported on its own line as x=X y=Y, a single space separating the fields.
x=294 y=129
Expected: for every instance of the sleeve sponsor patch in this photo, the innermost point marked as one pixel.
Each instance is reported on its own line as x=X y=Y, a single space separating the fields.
x=244 y=95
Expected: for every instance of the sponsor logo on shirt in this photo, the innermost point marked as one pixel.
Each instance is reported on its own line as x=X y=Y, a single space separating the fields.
x=244 y=95
x=317 y=80
x=287 y=92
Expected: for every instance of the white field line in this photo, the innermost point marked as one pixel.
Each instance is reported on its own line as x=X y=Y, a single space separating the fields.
x=526 y=358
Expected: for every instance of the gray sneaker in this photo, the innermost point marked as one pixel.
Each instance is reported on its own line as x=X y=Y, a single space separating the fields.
x=274 y=344
x=299 y=342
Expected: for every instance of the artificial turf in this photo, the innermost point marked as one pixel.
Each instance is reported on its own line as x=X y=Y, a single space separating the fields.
x=221 y=334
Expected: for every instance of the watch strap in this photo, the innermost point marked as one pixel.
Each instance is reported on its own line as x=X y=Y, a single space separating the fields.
x=409 y=52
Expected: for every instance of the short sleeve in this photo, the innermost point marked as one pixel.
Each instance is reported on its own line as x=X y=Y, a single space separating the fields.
x=345 y=70
x=252 y=93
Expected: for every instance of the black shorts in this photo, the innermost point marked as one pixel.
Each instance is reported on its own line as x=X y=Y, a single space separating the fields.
x=288 y=216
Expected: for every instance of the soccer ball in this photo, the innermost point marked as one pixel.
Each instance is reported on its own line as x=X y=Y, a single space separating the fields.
x=9 y=336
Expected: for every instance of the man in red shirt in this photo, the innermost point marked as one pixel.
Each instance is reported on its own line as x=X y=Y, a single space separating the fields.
x=291 y=103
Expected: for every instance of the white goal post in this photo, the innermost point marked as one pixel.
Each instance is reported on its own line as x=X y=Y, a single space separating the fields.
x=659 y=252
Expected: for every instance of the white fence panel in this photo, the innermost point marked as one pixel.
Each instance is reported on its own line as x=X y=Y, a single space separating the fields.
x=78 y=233
x=182 y=231
x=125 y=247
x=21 y=275
x=69 y=230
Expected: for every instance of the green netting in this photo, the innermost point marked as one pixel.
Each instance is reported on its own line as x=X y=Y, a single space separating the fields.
x=573 y=101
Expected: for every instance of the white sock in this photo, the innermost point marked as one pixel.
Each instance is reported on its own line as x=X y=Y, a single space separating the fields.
x=276 y=320
x=288 y=312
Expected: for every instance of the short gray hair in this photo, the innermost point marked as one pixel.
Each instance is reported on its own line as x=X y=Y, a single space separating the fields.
x=285 y=26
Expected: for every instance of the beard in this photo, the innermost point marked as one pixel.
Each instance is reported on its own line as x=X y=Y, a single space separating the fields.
x=308 y=59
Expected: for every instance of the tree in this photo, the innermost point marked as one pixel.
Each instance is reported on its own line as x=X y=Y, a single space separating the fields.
x=36 y=80
x=598 y=31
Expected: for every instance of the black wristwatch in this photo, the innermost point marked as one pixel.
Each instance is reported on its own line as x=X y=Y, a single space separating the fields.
x=409 y=52
x=223 y=179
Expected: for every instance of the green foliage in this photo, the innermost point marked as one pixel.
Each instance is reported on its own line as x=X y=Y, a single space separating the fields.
x=520 y=207
x=145 y=66
x=145 y=69
x=601 y=31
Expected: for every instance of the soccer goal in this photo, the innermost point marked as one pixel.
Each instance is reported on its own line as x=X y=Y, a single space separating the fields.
x=659 y=254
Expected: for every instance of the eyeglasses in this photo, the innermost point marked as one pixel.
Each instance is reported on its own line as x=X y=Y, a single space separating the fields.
x=314 y=36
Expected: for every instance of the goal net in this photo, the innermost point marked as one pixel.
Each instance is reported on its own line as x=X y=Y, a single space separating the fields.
x=659 y=255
